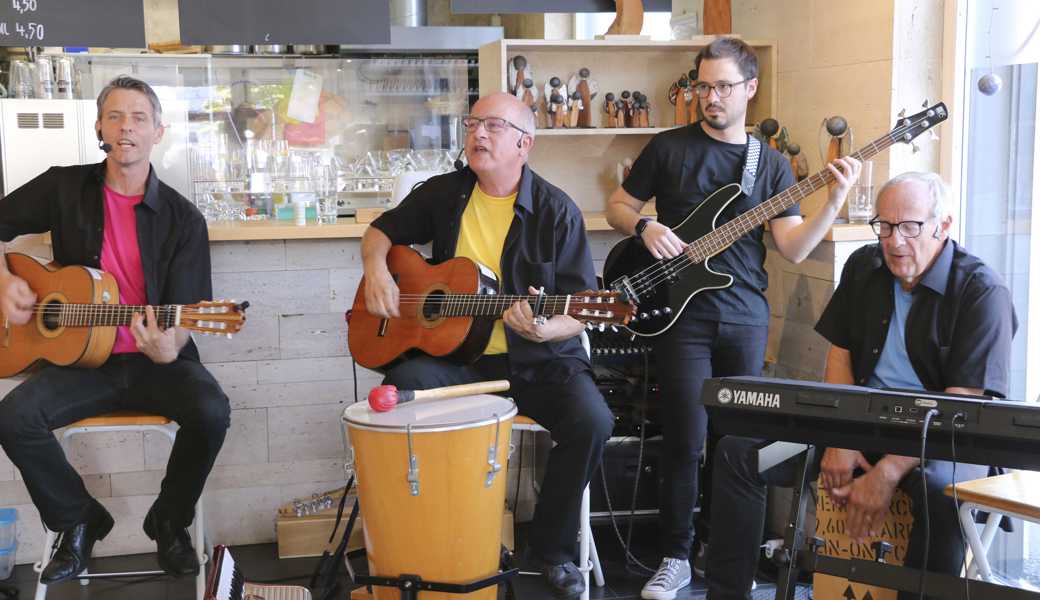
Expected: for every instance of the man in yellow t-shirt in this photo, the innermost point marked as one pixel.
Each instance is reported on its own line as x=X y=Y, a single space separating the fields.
x=498 y=212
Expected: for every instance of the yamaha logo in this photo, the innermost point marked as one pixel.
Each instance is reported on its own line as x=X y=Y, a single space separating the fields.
x=725 y=396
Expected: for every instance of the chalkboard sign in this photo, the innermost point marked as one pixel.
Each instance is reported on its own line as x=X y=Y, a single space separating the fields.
x=110 y=23
x=550 y=6
x=284 y=21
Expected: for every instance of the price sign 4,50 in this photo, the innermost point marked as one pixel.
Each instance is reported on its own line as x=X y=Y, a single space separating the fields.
x=24 y=6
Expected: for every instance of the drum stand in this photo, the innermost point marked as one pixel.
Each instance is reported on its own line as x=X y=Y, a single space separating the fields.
x=411 y=585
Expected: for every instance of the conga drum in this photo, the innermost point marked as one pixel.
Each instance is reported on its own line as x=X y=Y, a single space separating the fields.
x=431 y=482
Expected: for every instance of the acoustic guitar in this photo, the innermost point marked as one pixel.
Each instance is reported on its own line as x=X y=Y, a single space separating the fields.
x=77 y=311
x=448 y=310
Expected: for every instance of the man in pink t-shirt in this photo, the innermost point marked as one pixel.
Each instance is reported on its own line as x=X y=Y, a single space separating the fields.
x=117 y=216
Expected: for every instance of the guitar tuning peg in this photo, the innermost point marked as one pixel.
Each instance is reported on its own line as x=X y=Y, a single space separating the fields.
x=589 y=326
x=902 y=113
x=916 y=148
x=602 y=327
x=613 y=329
x=933 y=135
x=925 y=103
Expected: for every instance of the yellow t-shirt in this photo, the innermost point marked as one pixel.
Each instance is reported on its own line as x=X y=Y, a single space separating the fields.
x=485 y=224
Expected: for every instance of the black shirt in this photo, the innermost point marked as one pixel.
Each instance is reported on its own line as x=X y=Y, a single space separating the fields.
x=171 y=232
x=959 y=329
x=683 y=166
x=545 y=246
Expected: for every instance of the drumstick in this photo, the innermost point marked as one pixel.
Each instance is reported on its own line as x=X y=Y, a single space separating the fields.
x=384 y=397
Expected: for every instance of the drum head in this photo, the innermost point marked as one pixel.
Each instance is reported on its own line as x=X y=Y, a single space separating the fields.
x=433 y=414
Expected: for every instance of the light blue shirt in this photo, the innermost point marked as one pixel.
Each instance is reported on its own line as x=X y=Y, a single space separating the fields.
x=893 y=369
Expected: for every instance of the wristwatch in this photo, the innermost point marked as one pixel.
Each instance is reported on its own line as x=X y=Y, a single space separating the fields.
x=641 y=226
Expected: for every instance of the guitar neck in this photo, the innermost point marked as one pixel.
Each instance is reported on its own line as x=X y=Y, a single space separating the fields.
x=721 y=238
x=493 y=305
x=110 y=315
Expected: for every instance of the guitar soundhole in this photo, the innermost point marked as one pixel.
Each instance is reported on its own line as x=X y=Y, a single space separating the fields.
x=52 y=315
x=433 y=305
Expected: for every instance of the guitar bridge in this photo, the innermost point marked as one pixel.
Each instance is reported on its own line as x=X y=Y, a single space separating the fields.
x=623 y=286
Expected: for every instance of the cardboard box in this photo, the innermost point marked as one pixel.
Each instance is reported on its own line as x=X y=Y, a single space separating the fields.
x=309 y=536
x=830 y=526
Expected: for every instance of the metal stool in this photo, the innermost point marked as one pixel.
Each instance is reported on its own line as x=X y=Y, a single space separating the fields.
x=137 y=422
x=588 y=557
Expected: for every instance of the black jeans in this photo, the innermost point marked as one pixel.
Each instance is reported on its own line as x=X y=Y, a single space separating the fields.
x=739 y=493
x=691 y=351
x=54 y=397
x=576 y=416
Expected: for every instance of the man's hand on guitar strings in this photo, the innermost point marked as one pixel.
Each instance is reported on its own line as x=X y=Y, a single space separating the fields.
x=156 y=344
x=846 y=172
x=520 y=318
x=382 y=296
x=16 y=299
x=661 y=241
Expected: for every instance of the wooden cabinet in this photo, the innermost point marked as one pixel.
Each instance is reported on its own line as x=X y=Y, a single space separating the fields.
x=583 y=162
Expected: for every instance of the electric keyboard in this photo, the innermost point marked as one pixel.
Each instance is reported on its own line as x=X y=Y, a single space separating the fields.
x=991 y=432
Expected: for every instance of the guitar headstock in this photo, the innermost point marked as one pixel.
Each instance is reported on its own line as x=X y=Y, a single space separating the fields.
x=219 y=317
x=600 y=307
x=908 y=128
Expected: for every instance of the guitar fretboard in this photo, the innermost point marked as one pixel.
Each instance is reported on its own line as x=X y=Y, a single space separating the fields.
x=94 y=315
x=491 y=305
x=721 y=238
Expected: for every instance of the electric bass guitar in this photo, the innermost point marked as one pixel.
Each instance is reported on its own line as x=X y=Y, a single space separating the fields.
x=448 y=310
x=77 y=311
x=662 y=288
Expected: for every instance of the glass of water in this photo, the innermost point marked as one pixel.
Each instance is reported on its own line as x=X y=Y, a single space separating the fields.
x=325 y=186
x=861 y=197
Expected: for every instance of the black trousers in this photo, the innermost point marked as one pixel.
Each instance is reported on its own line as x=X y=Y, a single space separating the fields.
x=54 y=397
x=739 y=494
x=691 y=351
x=576 y=416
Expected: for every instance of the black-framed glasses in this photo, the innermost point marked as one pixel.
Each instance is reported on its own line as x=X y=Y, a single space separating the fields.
x=722 y=88
x=491 y=124
x=907 y=229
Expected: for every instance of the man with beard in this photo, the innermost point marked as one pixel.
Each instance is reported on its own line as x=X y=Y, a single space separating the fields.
x=721 y=332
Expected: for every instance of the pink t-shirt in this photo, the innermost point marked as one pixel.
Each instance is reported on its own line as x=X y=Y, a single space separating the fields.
x=121 y=257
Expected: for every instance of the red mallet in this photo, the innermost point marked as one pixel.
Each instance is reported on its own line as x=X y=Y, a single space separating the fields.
x=385 y=397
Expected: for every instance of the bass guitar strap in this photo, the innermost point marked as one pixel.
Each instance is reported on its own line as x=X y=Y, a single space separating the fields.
x=751 y=155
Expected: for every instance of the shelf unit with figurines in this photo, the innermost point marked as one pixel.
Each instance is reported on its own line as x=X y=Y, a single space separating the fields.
x=583 y=161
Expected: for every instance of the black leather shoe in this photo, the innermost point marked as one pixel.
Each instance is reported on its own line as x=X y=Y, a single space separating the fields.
x=565 y=580
x=76 y=545
x=176 y=554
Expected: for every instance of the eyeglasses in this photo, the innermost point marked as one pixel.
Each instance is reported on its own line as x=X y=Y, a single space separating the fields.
x=722 y=88
x=907 y=229
x=491 y=124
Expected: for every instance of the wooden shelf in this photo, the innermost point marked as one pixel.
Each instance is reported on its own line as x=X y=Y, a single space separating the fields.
x=284 y=230
x=600 y=131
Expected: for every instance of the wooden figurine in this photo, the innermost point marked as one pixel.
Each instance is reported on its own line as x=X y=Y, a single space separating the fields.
x=610 y=110
x=799 y=166
x=769 y=128
x=693 y=107
x=680 y=95
x=626 y=99
x=557 y=111
x=642 y=109
x=519 y=70
x=556 y=86
x=575 y=110
x=839 y=138
x=528 y=94
x=588 y=88
x=619 y=113
x=629 y=19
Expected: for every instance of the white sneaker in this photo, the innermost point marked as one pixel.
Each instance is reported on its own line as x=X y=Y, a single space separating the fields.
x=672 y=576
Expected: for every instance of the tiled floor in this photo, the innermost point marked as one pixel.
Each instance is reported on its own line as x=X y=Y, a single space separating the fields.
x=260 y=562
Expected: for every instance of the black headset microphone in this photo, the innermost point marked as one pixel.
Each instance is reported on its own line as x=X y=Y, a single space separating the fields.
x=104 y=146
x=458 y=164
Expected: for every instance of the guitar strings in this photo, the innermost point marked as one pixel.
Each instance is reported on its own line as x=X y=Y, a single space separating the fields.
x=650 y=277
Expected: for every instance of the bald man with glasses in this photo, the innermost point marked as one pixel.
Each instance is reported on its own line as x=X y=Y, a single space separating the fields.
x=501 y=214
x=914 y=311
